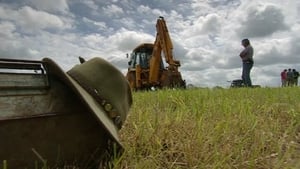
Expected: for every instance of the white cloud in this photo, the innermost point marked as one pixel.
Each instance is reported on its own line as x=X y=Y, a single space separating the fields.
x=91 y=4
x=51 y=6
x=144 y=9
x=211 y=24
x=126 y=40
x=262 y=20
x=205 y=25
x=206 y=34
x=7 y=29
x=100 y=25
x=34 y=20
x=113 y=10
x=30 y=20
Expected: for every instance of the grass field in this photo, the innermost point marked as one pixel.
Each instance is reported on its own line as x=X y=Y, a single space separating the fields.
x=241 y=128
x=237 y=128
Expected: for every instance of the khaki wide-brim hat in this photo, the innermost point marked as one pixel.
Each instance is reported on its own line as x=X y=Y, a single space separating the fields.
x=102 y=87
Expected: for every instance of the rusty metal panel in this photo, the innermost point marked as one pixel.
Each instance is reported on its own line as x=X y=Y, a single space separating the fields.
x=22 y=77
x=49 y=101
x=49 y=123
x=68 y=139
x=21 y=64
x=22 y=81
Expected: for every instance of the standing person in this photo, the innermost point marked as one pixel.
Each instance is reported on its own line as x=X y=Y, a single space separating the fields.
x=247 y=59
x=283 y=77
x=290 y=77
x=295 y=77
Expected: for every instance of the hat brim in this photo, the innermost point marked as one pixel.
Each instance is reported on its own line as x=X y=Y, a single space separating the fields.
x=88 y=100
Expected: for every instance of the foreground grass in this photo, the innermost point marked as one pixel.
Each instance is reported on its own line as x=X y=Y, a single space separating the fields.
x=220 y=128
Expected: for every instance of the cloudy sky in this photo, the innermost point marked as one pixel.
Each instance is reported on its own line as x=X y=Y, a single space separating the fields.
x=206 y=34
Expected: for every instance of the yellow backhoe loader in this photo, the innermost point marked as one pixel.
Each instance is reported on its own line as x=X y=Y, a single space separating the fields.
x=146 y=67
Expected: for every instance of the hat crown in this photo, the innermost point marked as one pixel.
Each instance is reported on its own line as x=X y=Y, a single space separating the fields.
x=107 y=85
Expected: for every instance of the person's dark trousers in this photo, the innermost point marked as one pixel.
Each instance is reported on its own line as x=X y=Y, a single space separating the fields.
x=247 y=66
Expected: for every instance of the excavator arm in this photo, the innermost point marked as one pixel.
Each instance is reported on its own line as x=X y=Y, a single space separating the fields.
x=163 y=44
x=164 y=40
x=146 y=66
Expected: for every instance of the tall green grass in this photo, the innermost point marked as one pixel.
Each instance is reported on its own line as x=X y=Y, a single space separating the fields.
x=241 y=128
x=255 y=128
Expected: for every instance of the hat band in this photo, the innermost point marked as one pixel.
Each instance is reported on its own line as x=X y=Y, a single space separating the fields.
x=107 y=107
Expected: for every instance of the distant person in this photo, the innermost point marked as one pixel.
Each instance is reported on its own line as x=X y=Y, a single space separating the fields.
x=295 y=77
x=290 y=77
x=283 y=77
x=247 y=59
